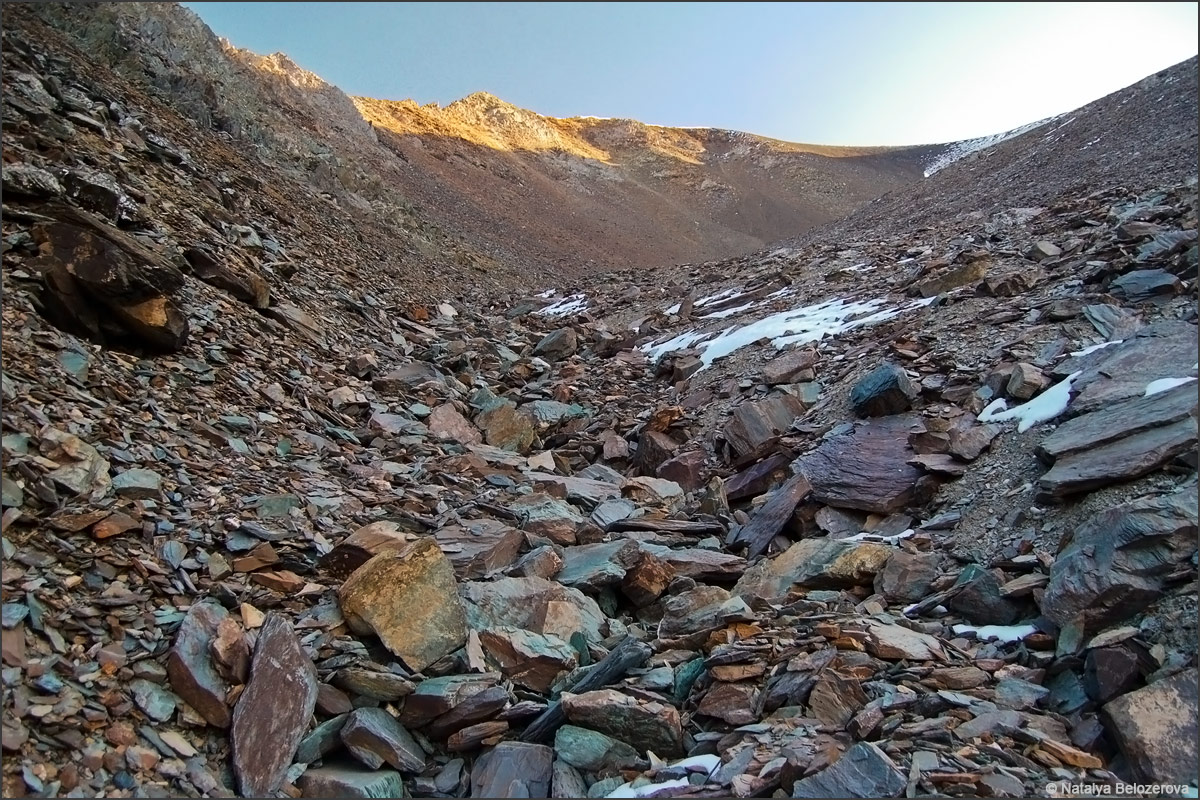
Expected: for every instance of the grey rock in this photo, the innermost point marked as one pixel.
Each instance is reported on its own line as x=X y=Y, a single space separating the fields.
x=138 y=484
x=863 y=771
x=375 y=738
x=557 y=345
x=979 y=599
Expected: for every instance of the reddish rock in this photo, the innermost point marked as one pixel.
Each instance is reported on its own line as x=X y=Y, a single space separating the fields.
x=272 y=713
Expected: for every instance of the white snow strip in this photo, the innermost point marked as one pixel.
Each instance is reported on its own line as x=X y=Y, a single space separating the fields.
x=798 y=325
x=1004 y=633
x=1046 y=406
x=547 y=293
x=680 y=342
x=1164 y=384
x=1093 y=348
x=780 y=292
x=673 y=309
x=729 y=312
x=626 y=790
x=723 y=295
x=867 y=536
x=957 y=150
x=567 y=305
x=938 y=610
x=706 y=763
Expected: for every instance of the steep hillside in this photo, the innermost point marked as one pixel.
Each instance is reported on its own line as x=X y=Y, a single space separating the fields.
x=579 y=194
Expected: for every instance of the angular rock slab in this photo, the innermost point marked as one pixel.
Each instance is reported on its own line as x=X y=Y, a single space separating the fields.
x=409 y=599
x=526 y=603
x=1122 y=460
x=1117 y=560
x=867 y=469
x=591 y=750
x=513 y=769
x=190 y=666
x=479 y=547
x=644 y=725
x=814 y=563
x=530 y=659
x=272 y=713
x=863 y=771
x=375 y=738
x=754 y=425
x=350 y=781
x=1156 y=728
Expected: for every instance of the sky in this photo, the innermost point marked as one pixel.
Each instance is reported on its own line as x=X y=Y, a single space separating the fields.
x=820 y=73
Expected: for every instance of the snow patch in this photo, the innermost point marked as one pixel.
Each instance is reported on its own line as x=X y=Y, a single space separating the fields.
x=867 y=536
x=797 y=325
x=570 y=304
x=673 y=309
x=707 y=764
x=1046 y=406
x=1165 y=384
x=958 y=150
x=1003 y=633
x=1093 y=348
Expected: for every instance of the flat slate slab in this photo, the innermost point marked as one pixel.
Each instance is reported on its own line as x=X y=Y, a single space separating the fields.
x=1122 y=460
x=1119 y=421
x=272 y=714
x=867 y=469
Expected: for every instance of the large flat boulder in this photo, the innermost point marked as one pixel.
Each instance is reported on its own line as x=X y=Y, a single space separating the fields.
x=866 y=469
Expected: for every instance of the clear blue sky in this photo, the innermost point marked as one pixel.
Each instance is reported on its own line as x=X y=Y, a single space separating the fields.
x=827 y=73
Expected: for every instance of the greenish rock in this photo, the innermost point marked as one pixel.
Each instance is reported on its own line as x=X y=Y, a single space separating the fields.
x=979 y=599
x=592 y=566
x=593 y=751
x=420 y=410
x=548 y=413
x=526 y=603
x=237 y=422
x=14 y=495
x=157 y=702
x=273 y=506
x=14 y=614
x=76 y=363
x=351 y=781
x=603 y=788
x=686 y=676
x=138 y=484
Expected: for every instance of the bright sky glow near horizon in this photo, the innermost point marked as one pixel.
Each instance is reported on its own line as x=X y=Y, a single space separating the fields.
x=821 y=73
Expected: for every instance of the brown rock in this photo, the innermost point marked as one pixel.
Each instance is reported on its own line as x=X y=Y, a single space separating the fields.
x=894 y=643
x=732 y=702
x=796 y=365
x=358 y=548
x=772 y=515
x=835 y=699
x=272 y=713
x=867 y=469
x=410 y=600
x=530 y=659
x=446 y=423
x=375 y=738
x=1156 y=728
x=231 y=651
x=755 y=425
x=686 y=469
x=645 y=725
x=646 y=579
x=478 y=548
x=907 y=577
x=1026 y=381
x=654 y=447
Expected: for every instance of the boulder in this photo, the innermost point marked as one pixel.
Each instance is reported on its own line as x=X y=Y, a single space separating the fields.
x=1118 y=561
x=885 y=391
x=558 y=345
x=1156 y=729
x=408 y=598
x=863 y=771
